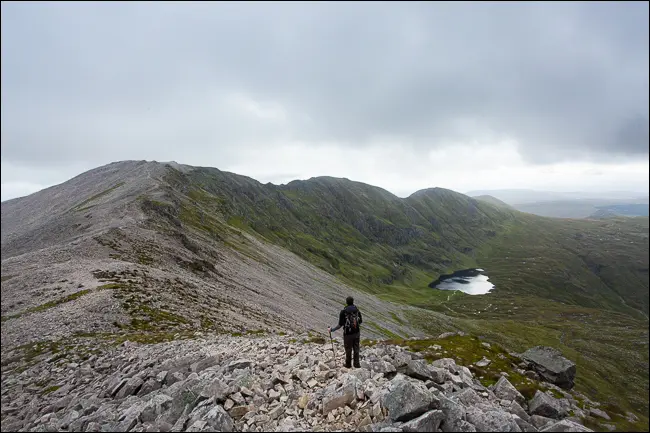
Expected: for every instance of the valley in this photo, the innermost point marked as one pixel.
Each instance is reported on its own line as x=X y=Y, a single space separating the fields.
x=149 y=252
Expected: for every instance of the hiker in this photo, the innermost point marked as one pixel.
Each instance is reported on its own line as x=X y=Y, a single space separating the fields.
x=350 y=320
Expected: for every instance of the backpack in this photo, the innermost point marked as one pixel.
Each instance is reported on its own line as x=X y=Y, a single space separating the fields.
x=351 y=321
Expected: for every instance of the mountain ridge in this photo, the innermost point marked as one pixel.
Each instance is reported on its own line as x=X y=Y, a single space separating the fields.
x=168 y=247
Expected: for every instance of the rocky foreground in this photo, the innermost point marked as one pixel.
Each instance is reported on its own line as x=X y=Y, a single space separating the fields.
x=271 y=383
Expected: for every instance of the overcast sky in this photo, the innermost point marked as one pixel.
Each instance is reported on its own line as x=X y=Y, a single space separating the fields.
x=542 y=95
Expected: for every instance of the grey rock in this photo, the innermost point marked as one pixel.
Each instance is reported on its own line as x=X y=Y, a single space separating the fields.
x=162 y=376
x=401 y=359
x=129 y=418
x=429 y=422
x=438 y=374
x=417 y=369
x=216 y=388
x=453 y=414
x=149 y=386
x=93 y=427
x=219 y=420
x=205 y=363
x=541 y=421
x=491 y=420
x=407 y=399
x=468 y=397
x=131 y=387
x=197 y=426
x=68 y=419
x=446 y=363
x=506 y=391
x=551 y=365
x=238 y=364
x=599 y=413
x=544 y=405
x=239 y=411
x=515 y=409
x=174 y=377
x=566 y=426
x=465 y=426
x=525 y=426
x=155 y=407
x=339 y=397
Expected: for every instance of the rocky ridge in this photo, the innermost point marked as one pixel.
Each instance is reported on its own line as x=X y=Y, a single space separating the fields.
x=271 y=383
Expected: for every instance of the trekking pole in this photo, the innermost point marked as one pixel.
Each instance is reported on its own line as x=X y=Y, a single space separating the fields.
x=333 y=350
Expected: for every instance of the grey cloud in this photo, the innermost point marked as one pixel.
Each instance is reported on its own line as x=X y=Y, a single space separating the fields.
x=106 y=81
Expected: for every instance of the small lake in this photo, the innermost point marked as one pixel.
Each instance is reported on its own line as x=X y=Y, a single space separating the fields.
x=470 y=281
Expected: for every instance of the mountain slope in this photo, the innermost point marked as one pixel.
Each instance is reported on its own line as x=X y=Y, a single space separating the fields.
x=150 y=250
x=126 y=269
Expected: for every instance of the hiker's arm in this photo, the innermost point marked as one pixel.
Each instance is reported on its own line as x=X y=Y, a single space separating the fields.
x=360 y=318
x=341 y=321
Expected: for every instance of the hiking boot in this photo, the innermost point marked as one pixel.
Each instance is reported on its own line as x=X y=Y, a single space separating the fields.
x=357 y=366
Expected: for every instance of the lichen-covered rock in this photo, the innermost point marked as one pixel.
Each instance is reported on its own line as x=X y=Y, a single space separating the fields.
x=503 y=389
x=551 y=365
x=544 y=405
x=407 y=399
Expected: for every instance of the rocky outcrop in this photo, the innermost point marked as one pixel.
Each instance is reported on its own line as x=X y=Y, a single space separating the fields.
x=223 y=383
x=551 y=366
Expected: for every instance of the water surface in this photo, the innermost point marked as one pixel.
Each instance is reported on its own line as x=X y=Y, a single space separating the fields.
x=470 y=281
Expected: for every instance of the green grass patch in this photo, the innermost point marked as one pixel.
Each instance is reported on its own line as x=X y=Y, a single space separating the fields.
x=47 y=305
x=80 y=207
x=50 y=389
x=315 y=340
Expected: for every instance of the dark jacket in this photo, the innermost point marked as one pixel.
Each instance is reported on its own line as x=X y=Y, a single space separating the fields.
x=341 y=324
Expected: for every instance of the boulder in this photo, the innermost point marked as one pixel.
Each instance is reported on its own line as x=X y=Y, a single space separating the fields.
x=446 y=363
x=453 y=414
x=599 y=413
x=566 y=426
x=524 y=425
x=155 y=407
x=429 y=422
x=468 y=397
x=515 y=409
x=407 y=399
x=551 y=365
x=541 y=421
x=339 y=397
x=238 y=364
x=506 y=391
x=418 y=369
x=217 y=389
x=491 y=420
x=219 y=420
x=544 y=405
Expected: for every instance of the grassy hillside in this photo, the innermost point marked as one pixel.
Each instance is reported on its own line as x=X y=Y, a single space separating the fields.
x=579 y=285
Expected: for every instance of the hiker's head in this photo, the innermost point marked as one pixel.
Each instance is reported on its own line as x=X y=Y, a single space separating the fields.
x=349 y=300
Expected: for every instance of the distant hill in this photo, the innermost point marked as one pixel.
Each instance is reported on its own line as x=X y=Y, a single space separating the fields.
x=584 y=208
x=493 y=201
x=522 y=196
x=571 y=204
x=629 y=210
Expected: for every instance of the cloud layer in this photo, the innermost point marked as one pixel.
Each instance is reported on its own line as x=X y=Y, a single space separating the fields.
x=92 y=83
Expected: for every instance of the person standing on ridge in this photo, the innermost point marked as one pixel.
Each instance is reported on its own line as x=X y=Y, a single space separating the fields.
x=350 y=320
